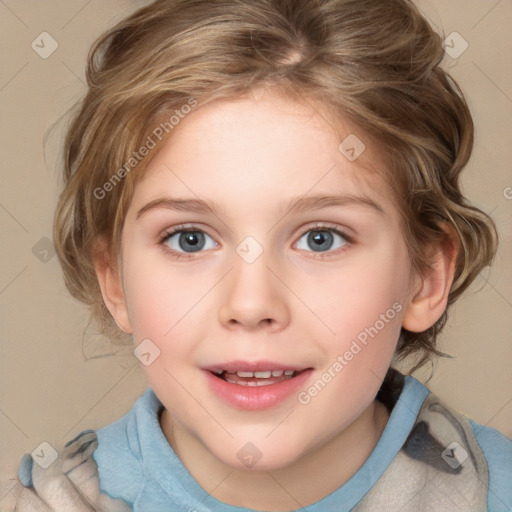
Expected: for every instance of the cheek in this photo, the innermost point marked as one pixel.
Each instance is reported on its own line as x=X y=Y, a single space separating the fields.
x=148 y=306
x=160 y=296
x=361 y=296
x=366 y=320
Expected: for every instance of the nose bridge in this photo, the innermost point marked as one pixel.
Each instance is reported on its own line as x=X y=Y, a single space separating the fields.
x=252 y=295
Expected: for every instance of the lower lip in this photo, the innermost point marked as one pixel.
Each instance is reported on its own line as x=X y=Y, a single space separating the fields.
x=256 y=398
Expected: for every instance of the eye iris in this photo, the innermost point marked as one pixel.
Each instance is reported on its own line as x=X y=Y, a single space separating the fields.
x=320 y=240
x=194 y=239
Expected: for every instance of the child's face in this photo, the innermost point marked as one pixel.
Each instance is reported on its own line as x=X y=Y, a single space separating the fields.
x=299 y=305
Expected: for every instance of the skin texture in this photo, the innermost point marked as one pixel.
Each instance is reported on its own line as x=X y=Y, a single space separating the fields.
x=251 y=157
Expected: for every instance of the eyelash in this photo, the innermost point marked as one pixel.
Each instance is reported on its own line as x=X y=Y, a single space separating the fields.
x=182 y=229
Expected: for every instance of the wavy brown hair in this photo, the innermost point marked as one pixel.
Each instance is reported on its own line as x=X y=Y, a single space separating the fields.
x=374 y=63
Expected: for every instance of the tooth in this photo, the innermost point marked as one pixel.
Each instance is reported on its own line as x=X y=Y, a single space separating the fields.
x=263 y=375
x=263 y=383
x=277 y=373
x=245 y=374
x=218 y=372
x=289 y=372
x=250 y=383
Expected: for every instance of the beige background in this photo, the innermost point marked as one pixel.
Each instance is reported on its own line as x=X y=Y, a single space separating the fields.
x=55 y=378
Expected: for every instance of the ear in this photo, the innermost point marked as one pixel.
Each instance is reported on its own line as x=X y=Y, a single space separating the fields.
x=430 y=298
x=111 y=286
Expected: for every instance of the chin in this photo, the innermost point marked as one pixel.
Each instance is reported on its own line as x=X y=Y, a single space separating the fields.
x=258 y=455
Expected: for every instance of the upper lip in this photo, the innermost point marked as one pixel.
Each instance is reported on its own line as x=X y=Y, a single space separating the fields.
x=252 y=366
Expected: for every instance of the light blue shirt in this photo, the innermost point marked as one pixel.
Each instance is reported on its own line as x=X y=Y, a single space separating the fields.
x=136 y=462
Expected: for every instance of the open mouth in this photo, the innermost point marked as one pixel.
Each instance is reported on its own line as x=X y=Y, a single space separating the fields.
x=256 y=385
x=254 y=379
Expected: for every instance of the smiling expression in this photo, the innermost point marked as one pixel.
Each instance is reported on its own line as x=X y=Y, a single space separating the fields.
x=252 y=244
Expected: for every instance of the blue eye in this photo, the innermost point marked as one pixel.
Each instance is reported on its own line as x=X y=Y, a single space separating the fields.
x=322 y=240
x=183 y=242
x=188 y=241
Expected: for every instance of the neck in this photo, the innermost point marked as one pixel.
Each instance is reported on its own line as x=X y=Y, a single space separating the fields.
x=307 y=480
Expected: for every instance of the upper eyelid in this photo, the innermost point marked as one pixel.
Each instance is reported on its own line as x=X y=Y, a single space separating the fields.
x=344 y=231
x=184 y=229
x=328 y=226
x=196 y=227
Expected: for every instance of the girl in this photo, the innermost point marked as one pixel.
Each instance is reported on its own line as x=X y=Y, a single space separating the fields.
x=265 y=196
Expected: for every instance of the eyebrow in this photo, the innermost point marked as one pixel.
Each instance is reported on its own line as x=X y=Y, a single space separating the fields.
x=183 y=205
x=302 y=203
x=296 y=205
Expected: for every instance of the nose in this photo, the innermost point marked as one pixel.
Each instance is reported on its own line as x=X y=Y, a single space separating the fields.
x=253 y=297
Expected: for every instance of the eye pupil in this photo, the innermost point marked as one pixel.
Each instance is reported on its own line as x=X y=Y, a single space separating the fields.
x=320 y=240
x=195 y=241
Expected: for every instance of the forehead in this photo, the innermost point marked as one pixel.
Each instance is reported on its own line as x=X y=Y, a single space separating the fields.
x=263 y=147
